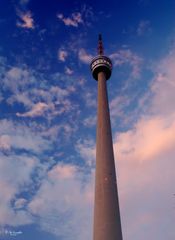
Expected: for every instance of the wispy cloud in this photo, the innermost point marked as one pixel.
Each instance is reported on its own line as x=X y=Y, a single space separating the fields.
x=12 y=184
x=118 y=104
x=68 y=71
x=155 y=129
x=90 y=121
x=145 y=156
x=86 y=150
x=163 y=86
x=24 y=143
x=37 y=101
x=26 y=20
x=20 y=203
x=37 y=110
x=20 y=137
x=126 y=56
x=63 y=172
x=74 y=20
x=62 y=55
x=68 y=214
x=16 y=78
x=84 y=56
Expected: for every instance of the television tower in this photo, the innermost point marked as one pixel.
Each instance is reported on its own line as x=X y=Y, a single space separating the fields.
x=107 y=223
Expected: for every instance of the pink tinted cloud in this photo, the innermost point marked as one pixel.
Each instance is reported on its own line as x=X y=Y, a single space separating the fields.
x=5 y=143
x=26 y=20
x=146 y=140
x=74 y=20
x=84 y=56
x=62 y=172
x=145 y=162
x=62 y=55
x=37 y=110
x=68 y=71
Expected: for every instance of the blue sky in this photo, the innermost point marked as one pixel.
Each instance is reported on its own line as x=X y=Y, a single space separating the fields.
x=48 y=116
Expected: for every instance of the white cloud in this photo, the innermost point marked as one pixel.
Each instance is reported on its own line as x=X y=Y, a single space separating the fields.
x=12 y=183
x=117 y=106
x=68 y=71
x=28 y=136
x=62 y=172
x=90 y=98
x=17 y=170
x=37 y=110
x=16 y=78
x=20 y=203
x=20 y=98
x=19 y=136
x=24 y=88
x=84 y=56
x=63 y=203
x=53 y=92
x=90 y=121
x=126 y=56
x=5 y=142
x=62 y=55
x=26 y=20
x=86 y=150
x=59 y=132
x=74 y=20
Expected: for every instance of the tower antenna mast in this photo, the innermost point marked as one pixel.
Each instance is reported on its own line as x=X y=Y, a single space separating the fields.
x=100 y=45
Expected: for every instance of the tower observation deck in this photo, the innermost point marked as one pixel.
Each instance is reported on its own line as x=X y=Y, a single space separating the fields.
x=107 y=223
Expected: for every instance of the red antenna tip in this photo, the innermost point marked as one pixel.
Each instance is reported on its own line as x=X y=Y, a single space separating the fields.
x=100 y=45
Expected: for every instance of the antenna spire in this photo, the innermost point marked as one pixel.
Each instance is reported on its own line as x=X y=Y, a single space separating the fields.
x=100 y=45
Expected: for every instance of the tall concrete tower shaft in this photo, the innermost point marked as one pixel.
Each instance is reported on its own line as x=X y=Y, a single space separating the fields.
x=107 y=223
